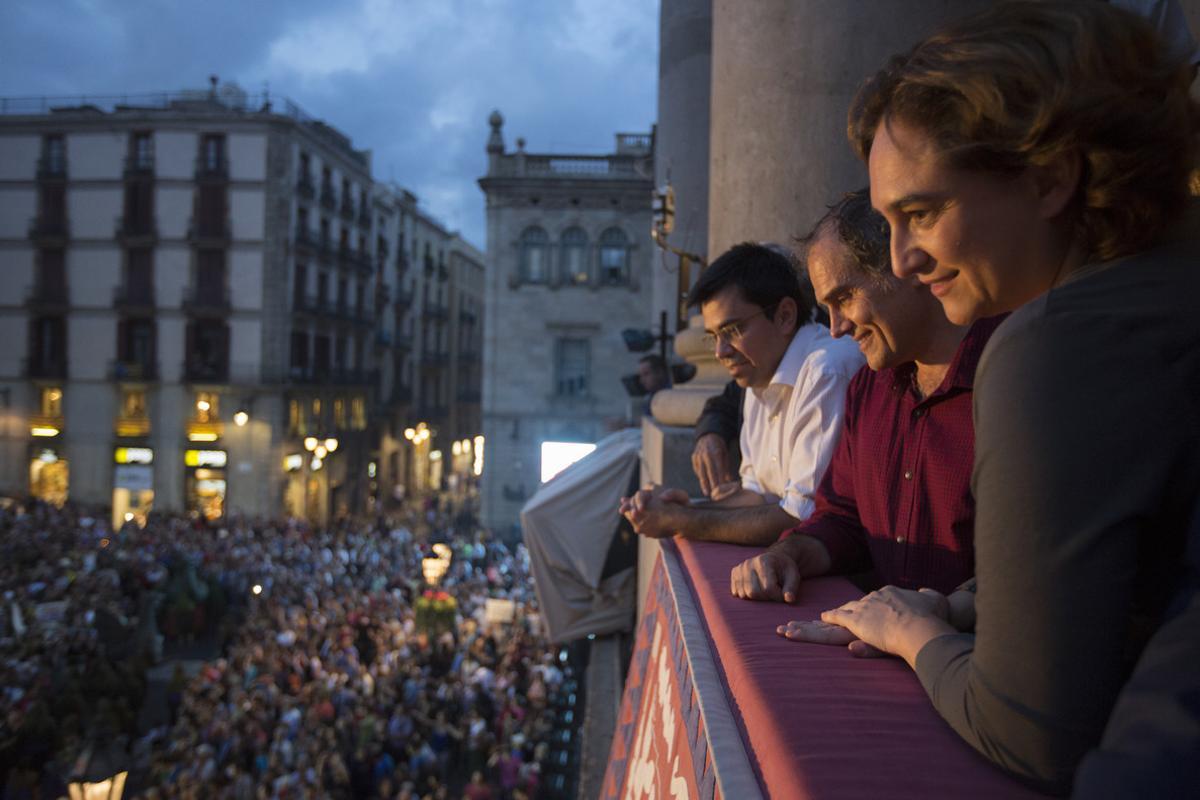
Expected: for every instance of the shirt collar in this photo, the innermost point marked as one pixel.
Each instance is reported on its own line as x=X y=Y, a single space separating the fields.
x=961 y=373
x=789 y=366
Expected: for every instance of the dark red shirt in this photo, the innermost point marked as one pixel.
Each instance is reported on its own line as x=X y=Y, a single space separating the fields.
x=897 y=494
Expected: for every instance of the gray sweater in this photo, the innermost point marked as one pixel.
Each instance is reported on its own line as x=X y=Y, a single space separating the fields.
x=1087 y=468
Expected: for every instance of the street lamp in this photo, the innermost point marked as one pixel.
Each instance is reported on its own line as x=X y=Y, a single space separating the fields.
x=241 y=418
x=331 y=444
x=310 y=443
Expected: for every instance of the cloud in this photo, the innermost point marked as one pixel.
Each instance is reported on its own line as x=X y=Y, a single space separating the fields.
x=411 y=80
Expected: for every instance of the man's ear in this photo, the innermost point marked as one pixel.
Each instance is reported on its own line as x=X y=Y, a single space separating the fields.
x=1056 y=183
x=787 y=314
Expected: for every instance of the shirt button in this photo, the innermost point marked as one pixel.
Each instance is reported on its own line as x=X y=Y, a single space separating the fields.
x=908 y=474
x=899 y=540
x=918 y=413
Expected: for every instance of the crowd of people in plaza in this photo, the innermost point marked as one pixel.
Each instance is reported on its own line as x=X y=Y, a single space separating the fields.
x=1013 y=454
x=326 y=685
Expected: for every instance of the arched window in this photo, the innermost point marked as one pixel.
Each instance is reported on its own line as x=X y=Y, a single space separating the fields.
x=614 y=257
x=534 y=243
x=574 y=266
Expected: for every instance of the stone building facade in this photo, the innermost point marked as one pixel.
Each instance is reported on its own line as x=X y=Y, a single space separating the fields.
x=569 y=265
x=201 y=308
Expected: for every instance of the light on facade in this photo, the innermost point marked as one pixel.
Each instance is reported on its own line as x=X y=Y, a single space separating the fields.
x=316 y=463
x=241 y=418
x=203 y=405
x=410 y=433
x=310 y=443
x=435 y=455
x=456 y=448
x=43 y=430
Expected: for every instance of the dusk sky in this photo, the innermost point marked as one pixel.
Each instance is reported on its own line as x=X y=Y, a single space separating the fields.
x=412 y=80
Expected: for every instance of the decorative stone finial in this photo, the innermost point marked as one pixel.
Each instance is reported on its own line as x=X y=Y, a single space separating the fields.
x=496 y=140
x=521 y=143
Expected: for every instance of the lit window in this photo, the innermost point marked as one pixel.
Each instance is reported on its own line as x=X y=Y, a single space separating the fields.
x=339 y=414
x=358 y=414
x=207 y=407
x=133 y=404
x=51 y=401
x=574 y=264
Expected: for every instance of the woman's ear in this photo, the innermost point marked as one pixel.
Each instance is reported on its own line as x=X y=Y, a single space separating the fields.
x=1056 y=183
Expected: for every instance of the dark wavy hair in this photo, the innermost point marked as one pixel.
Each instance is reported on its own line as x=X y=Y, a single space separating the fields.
x=1023 y=83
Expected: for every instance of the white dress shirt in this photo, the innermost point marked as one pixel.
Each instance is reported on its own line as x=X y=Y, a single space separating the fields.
x=790 y=427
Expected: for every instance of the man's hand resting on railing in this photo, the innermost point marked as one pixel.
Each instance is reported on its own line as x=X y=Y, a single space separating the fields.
x=776 y=573
x=888 y=621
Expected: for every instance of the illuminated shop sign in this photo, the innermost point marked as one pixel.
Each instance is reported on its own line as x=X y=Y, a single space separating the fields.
x=133 y=455
x=204 y=458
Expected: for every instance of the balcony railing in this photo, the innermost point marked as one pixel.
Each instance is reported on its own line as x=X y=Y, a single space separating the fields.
x=139 y=166
x=358 y=259
x=210 y=233
x=196 y=370
x=49 y=229
x=45 y=368
x=206 y=299
x=48 y=297
x=122 y=370
x=133 y=298
x=306 y=241
x=132 y=427
x=52 y=169
x=209 y=171
x=136 y=228
x=328 y=199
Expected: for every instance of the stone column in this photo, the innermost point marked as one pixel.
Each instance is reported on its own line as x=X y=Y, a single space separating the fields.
x=784 y=73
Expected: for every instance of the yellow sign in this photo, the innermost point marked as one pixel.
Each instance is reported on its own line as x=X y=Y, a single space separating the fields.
x=204 y=458
x=133 y=455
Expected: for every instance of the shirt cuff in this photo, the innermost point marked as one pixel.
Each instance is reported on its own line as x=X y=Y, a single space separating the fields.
x=797 y=505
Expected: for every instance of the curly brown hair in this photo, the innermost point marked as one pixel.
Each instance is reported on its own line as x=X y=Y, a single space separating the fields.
x=1023 y=83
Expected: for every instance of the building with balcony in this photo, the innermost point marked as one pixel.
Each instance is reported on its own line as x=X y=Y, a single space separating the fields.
x=199 y=286
x=569 y=259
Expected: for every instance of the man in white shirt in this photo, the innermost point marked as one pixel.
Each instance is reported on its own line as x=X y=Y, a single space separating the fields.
x=758 y=320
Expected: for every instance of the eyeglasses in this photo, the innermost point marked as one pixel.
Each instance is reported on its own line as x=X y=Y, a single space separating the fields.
x=733 y=331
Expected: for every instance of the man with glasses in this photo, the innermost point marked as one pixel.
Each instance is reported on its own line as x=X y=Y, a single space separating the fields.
x=896 y=499
x=758 y=321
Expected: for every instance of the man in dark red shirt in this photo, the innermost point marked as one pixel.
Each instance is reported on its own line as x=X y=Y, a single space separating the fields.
x=896 y=497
